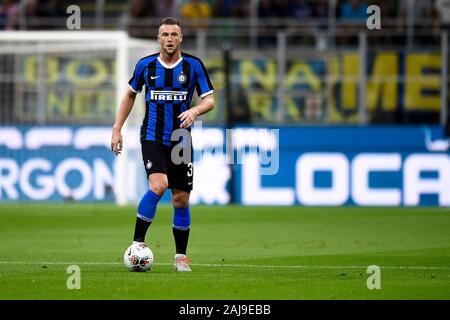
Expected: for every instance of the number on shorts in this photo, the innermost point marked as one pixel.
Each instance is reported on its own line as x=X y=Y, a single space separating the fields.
x=189 y=173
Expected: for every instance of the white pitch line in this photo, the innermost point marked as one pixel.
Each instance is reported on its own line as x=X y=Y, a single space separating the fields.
x=235 y=265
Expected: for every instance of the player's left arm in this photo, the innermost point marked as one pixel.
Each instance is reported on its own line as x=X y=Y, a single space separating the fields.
x=205 y=91
x=188 y=117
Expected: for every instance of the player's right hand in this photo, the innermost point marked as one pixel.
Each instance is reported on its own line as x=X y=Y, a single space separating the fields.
x=116 y=142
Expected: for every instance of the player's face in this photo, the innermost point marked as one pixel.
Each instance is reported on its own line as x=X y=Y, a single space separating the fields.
x=170 y=37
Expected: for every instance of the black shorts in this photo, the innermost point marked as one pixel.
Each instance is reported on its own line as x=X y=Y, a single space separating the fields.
x=157 y=159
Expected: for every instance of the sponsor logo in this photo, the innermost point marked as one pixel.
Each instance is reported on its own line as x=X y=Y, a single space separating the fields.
x=352 y=180
x=154 y=77
x=168 y=95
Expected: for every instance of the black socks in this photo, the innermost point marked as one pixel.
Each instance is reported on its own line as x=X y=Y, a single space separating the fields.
x=181 y=240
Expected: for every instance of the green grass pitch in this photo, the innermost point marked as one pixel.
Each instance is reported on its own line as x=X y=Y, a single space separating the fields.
x=237 y=253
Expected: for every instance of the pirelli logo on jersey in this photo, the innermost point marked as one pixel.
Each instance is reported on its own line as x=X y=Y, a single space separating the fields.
x=168 y=95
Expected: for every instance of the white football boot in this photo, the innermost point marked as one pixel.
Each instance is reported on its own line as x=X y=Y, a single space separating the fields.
x=182 y=263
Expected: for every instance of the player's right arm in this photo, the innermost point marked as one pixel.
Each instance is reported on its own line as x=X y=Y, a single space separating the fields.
x=136 y=82
x=124 y=110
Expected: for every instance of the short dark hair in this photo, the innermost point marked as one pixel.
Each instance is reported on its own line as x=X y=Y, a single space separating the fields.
x=170 y=21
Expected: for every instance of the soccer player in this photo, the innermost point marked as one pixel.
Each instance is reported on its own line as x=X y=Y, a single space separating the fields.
x=169 y=77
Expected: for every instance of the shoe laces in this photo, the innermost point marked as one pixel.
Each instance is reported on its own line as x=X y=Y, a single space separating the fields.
x=184 y=260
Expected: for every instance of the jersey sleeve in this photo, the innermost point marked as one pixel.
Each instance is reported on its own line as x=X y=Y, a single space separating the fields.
x=204 y=86
x=137 y=80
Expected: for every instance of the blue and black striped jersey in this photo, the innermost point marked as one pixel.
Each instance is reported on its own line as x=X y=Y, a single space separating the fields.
x=168 y=92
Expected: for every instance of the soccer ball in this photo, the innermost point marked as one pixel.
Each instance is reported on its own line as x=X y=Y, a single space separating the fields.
x=138 y=257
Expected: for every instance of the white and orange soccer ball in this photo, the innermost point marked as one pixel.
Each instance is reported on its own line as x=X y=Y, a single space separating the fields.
x=138 y=257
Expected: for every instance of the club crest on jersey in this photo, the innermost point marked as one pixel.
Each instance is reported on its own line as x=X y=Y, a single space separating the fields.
x=164 y=95
x=181 y=78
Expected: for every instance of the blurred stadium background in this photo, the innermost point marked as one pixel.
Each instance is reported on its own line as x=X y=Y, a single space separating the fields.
x=373 y=103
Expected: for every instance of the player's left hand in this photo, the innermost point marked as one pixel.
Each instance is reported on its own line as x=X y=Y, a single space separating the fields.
x=188 y=117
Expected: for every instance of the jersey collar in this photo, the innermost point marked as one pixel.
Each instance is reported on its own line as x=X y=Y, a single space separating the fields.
x=169 y=67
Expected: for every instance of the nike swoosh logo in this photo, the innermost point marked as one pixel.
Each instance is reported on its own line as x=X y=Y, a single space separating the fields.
x=154 y=77
x=189 y=183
